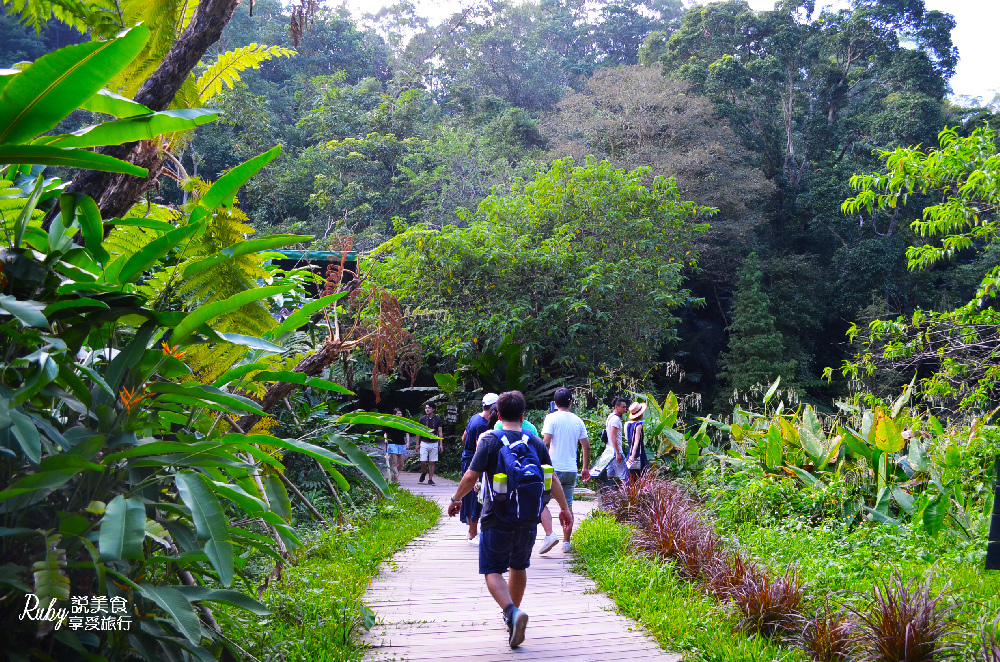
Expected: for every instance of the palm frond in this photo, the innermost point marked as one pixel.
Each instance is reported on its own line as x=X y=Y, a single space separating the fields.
x=225 y=71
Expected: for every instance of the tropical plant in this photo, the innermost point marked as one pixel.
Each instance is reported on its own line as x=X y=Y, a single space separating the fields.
x=961 y=344
x=907 y=623
x=34 y=100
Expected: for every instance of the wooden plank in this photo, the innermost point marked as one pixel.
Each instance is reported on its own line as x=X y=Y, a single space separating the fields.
x=431 y=604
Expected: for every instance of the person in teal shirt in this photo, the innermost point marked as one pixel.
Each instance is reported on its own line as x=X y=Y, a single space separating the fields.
x=526 y=426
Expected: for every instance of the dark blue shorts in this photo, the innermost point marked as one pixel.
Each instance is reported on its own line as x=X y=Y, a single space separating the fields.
x=504 y=548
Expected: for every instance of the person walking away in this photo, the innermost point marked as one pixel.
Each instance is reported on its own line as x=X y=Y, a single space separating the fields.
x=429 y=448
x=635 y=438
x=397 y=442
x=611 y=465
x=478 y=425
x=562 y=432
x=525 y=425
x=510 y=463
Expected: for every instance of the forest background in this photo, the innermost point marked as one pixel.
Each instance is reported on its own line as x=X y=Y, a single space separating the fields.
x=396 y=132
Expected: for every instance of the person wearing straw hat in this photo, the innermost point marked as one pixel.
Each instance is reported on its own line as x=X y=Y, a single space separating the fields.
x=635 y=438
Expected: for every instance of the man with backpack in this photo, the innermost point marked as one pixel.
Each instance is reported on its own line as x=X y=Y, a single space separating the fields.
x=513 y=492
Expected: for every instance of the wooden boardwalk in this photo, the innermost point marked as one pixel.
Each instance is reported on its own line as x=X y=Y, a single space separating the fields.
x=432 y=604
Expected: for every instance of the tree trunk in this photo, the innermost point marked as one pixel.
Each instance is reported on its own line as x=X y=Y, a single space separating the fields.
x=116 y=193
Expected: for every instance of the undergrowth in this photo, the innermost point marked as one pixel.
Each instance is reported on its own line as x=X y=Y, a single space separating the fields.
x=317 y=608
x=675 y=611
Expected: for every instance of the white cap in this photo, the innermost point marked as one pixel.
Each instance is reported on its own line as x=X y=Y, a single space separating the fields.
x=490 y=399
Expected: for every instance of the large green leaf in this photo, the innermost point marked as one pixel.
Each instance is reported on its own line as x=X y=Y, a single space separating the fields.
x=303 y=314
x=134 y=129
x=27 y=435
x=195 y=319
x=239 y=371
x=109 y=103
x=235 y=598
x=277 y=496
x=224 y=190
x=252 y=342
x=386 y=420
x=54 y=85
x=130 y=267
x=28 y=312
x=177 y=607
x=207 y=394
x=774 y=448
x=361 y=461
x=42 y=480
x=291 y=377
x=67 y=158
x=887 y=436
x=934 y=514
x=313 y=451
x=251 y=505
x=245 y=248
x=209 y=521
x=123 y=529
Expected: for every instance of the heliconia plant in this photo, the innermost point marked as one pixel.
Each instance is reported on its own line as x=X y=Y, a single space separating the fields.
x=124 y=476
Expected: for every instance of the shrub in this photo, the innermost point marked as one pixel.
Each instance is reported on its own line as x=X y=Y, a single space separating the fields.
x=728 y=572
x=826 y=635
x=769 y=604
x=626 y=502
x=903 y=623
x=991 y=649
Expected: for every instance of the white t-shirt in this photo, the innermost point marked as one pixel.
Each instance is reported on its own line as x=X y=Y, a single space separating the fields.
x=614 y=421
x=566 y=429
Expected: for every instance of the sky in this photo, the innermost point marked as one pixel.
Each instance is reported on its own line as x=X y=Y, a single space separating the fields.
x=977 y=75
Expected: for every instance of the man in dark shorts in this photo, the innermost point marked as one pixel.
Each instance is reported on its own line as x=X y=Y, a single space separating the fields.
x=478 y=424
x=504 y=547
x=430 y=448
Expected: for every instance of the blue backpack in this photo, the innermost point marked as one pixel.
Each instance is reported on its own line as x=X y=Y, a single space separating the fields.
x=525 y=482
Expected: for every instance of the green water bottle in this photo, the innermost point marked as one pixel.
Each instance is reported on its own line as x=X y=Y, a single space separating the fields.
x=547 y=473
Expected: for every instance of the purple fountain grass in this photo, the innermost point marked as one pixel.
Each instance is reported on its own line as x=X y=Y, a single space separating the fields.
x=905 y=623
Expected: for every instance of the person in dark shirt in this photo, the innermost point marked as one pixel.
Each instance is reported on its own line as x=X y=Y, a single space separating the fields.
x=429 y=448
x=478 y=424
x=504 y=546
x=397 y=442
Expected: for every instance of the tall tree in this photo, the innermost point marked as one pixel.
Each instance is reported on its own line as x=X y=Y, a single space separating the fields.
x=756 y=351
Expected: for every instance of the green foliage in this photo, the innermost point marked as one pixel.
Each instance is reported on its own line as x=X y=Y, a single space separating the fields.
x=958 y=343
x=756 y=351
x=569 y=251
x=680 y=616
x=224 y=73
x=324 y=586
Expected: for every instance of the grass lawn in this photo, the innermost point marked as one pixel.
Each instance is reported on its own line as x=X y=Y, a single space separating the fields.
x=317 y=609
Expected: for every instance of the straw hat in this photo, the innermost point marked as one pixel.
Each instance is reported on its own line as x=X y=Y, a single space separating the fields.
x=636 y=411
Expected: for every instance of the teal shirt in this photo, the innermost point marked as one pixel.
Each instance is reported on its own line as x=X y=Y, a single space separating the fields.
x=526 y=426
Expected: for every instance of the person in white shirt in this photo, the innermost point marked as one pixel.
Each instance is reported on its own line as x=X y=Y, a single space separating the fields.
x=562 y=431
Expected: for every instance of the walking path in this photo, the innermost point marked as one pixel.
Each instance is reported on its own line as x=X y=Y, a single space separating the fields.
x=432 y=604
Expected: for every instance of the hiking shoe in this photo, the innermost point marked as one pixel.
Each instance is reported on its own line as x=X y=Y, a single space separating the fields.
x=518 y=622
x=548 y=542
x=474 y=541
x=430 y=481
x=567 y=547
x=422 y=477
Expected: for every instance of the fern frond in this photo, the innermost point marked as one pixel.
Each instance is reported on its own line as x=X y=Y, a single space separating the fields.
x=225 y=71
x=154 y=212
x=185 y=15
x=12 y=202
x=127 y=240
x=161 y=17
